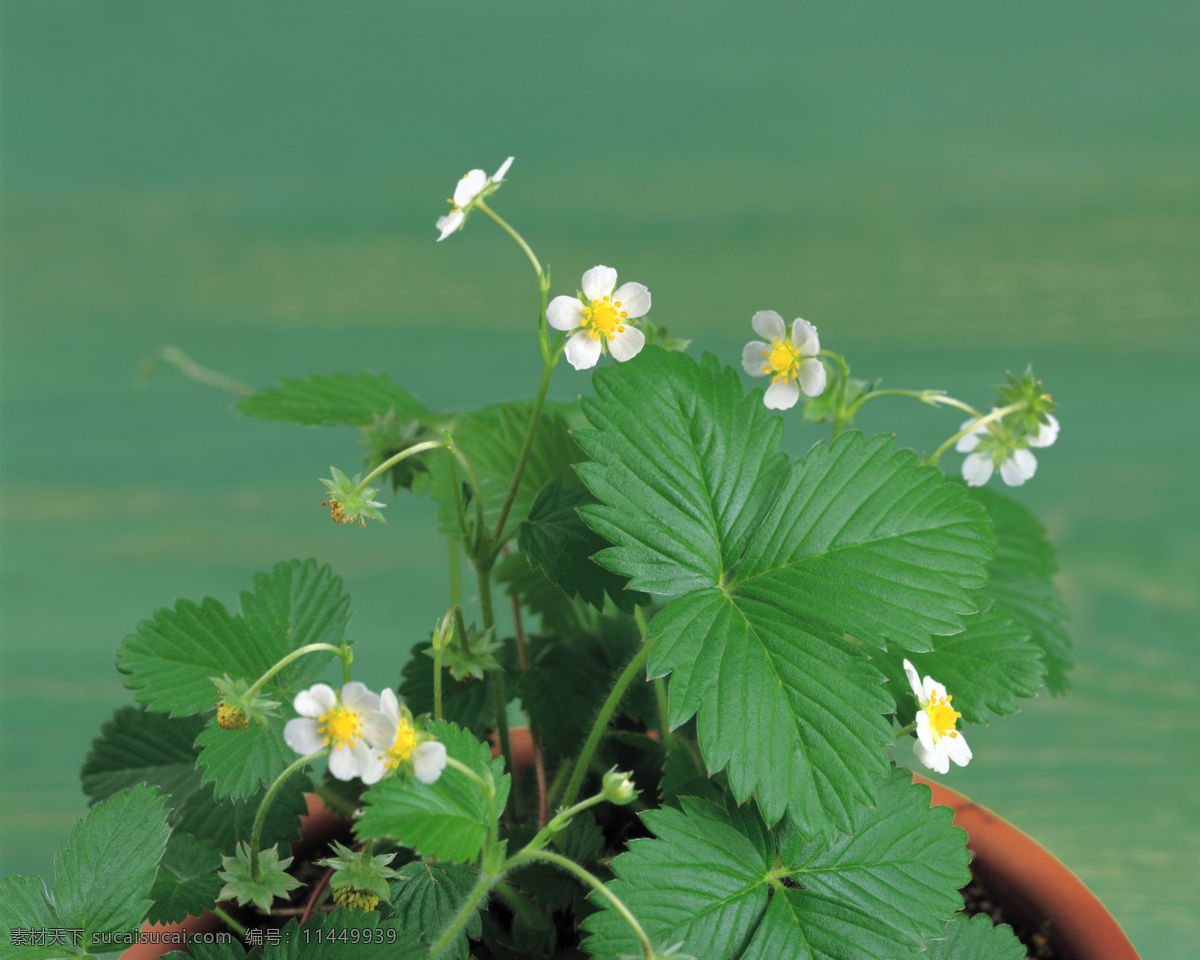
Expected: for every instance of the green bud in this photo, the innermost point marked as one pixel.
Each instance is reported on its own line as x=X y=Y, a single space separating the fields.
x=618 y=788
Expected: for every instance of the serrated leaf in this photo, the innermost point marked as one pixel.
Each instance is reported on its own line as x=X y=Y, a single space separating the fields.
x=122 y=837
x=705 y=880
x=187 y=881
x=447 y=819
x=25 y=906
x=976 y=939
x=986 y=667
x=427 y=896
x=226 y=823
x=796 y=718
x=138 y=746
x=776 y=561
x=239 y=763
x=555 y=538
x=336 y=398
x=562 y=692
x=902 y=861
x=491 y=441
x=1021 y=582
x=558 y=613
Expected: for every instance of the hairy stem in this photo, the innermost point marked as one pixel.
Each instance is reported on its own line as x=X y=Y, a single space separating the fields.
x=393 y=460
x=261 y=816
x=972 y=426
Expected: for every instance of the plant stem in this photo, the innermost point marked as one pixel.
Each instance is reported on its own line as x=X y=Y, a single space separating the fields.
x=841 y=415
x=572 y=867
x=523 y=458
x=478 y=892
x=907 y=728
x=499 y=694
x=480 y=205
x=228 y=920
x=343 y=651
x=972 y=426
x=393 y=460
x=437 y=682
x=602 y=720
x=539 y=762
x=455 y=571
x=660 y=691
x=261 y=816
x=932 y=397
x=189 y=368
x=489 y=794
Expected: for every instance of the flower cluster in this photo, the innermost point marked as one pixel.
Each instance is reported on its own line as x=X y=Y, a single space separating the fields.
x=997 y=444
x=368 y=735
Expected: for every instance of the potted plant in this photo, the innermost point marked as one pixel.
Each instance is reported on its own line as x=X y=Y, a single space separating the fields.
x=715 y=646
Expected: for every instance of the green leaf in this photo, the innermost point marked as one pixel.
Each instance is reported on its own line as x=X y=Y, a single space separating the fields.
x=563 y=690
x=987 y=667
x=491 y=441
x=447 y=819
x=428 y=895
x=706 y=882
x=25 y=907
x=137 y=746
x=187 y=881
x=543 y=599
x=238 y=763
x=226 y=823
x=555 y=538
x=976 y=939
x=776 y=562
x=336 y=398
x=123 y=837
x=1021 y=582
x=171 y=658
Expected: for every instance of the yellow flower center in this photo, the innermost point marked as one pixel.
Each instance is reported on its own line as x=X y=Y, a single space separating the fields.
x=604 y=317
x=942 y=716
x=406 y=742
x=783 y=360
x=340 y=727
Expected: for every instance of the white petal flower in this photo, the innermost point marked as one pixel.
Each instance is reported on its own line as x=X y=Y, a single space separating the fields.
x=1018 y=468
x=429 y=760
x=977 y=470
x=790 y=361
x=938 y=742
x=336 y=721
x=603 y=321
x=1047 y=433
x=471 y=187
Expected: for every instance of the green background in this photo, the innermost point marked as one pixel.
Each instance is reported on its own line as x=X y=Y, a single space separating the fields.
x=948 y=190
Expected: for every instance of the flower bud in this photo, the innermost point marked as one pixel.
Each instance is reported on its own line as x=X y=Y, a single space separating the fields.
x=618 y=788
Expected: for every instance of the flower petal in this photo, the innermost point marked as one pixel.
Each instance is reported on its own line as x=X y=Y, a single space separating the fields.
x=634 y=299
x=499 y=174
x=925 y=730
x=303 y=736
x=565 y=313
x=626 y=344
x=804 y=338
x=343 y=764
x=598 y=282
x=429 y=760
x=782 y=396
x=933 y=759
x=583 y=351
x=467 y=189
x=449 y=223
x=389 y=705
x=1018 y=468
x=969 y=441
x=379 y=730
x=1047 y=433
x=316 y=700
x=957 y=749
x=812 y=376
x=977 y=470
x=754 y=358
x=768 y=325
x=358 y=698
x=372 y=765
x=930 y=689
x=914 y=680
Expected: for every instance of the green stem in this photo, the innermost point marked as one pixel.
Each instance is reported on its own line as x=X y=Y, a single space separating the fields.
x=499 y=694
x=974 y=425
x=480 y=205
x=572 y=867
x=602 y=720
x=229 y=921
x=560 y=821
x=437 y=682
x=393 y=460
x=932 y=397
x=455 y=569
x=261 y=816
x=660 y=691
x=343 y=651
x=189 y=368
x=908 y=728
x=478 y=892
x=523 y=458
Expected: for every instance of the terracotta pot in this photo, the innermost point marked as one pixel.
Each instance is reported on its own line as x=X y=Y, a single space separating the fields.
x=1034 y=886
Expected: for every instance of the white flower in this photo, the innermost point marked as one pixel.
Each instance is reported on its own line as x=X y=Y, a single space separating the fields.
x=394 y=741
x=988 y=448
x=602 y=320
x=937 y=741
x=328 y=719
x=466 y=192
x=791 y=361
x=1047 y=432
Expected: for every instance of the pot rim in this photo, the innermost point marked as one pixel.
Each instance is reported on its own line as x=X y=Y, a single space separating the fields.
x=1015 y=865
